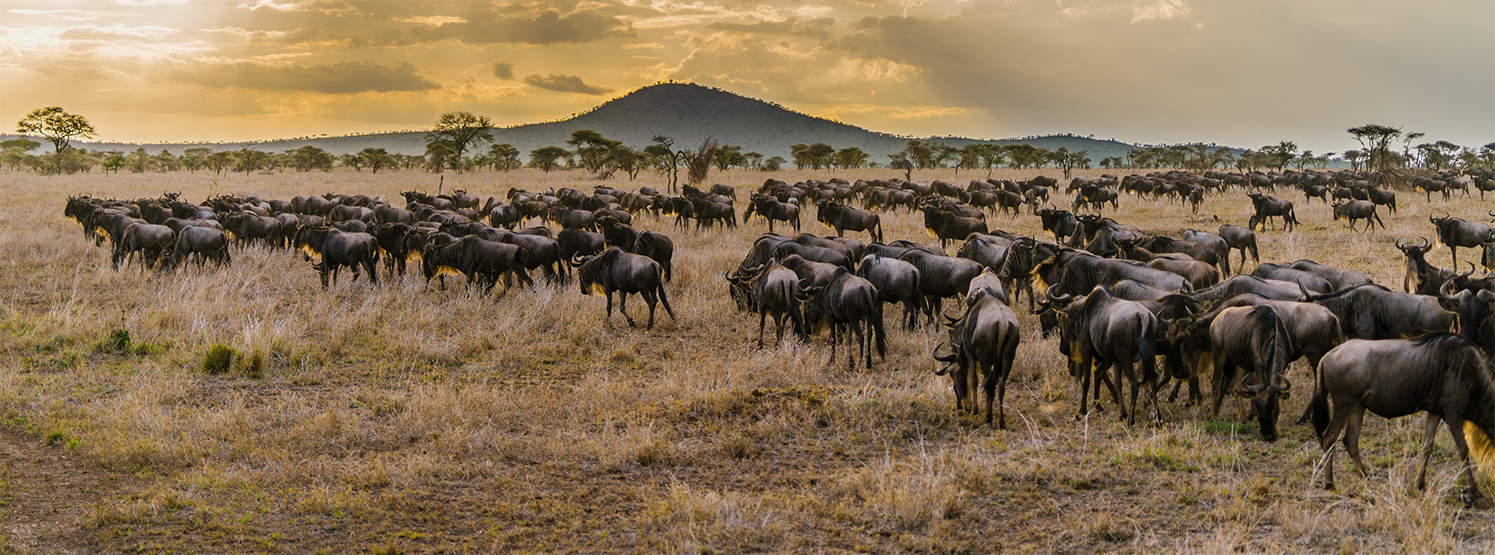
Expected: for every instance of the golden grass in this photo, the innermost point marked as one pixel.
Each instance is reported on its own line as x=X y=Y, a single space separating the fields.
x=400 y=419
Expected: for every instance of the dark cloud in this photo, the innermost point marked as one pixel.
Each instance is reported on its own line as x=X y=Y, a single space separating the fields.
x=344 y=78
x=504 y=71
x=564 y=83
x=819 y=28
x=487 y=27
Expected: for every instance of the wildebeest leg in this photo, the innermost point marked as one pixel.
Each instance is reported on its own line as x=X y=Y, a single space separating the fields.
x=1085 y=384
x=1430 y=432
x=623 y=308
x=1471 y=490
x=1224 y=377
x=1103 y=376
x=609 y=295
x=1129 y=411
x=763 y=320
x=650 y=299
x=1352 y=440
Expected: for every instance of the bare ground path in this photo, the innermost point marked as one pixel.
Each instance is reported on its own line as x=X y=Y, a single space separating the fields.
x=46 y=496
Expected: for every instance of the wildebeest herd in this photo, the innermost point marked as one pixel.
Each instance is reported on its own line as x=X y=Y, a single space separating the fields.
x=1128 y=307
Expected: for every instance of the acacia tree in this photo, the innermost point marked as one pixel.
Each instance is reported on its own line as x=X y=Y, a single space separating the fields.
x=1375 y=138
x=592 y=150
x=728 y=156
x=851 y=158
x=458 y=130
x=547 y=159
x=56 y=125
x=374 y=158
x=663 y=156
x=505 y=156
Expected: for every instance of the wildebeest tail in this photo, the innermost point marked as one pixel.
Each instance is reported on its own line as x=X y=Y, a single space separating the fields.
x=1252 y=245
x=1480 y=448
x=1147 y=353
x=665 y=300
x=1319 y=405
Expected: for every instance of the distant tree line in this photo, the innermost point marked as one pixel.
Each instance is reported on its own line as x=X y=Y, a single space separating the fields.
x=456 y=143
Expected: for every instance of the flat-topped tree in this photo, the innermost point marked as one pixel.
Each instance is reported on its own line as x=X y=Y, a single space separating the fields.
x=56 y=125
x=458 y=130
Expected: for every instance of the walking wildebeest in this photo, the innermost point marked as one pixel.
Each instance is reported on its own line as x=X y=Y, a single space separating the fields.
x=1440 y=373
x=626 y=273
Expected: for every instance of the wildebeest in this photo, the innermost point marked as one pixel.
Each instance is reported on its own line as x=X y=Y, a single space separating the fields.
x=202 y=244
x=1266 y=207
x=844 y=218
x=1358 y=210
x=331 y=249
x=948 y=226
x=896 y=281
x=1338 y=278
x=1456 y=233
x=1105 y=332
x=1426 y=277
x=151 y=241
x=1375 y=312
x=1252 y=338
x=775 y=291
x=1060 y=222
x=626 y=273
x=941 y=277
x=1441 y=373
x=847 y=304
x=1312 y=282
x=984 y=342
x=1242 y=239
x=771 y=209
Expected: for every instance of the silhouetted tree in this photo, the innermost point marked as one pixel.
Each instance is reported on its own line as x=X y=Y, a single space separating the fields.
x=459 y=130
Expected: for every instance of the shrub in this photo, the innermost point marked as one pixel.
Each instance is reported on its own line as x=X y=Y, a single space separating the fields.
x=219 y=359
x=252 y=366
x=118 y=341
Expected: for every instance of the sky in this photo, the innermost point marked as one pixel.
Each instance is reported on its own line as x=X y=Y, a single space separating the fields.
x=1242 y=73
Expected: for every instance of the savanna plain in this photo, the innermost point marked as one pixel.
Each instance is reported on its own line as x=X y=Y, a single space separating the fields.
x=401 y=419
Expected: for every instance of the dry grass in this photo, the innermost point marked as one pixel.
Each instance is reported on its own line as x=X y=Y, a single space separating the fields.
x=396 y=419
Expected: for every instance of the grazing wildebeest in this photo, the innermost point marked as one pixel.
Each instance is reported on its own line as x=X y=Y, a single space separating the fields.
x=847 y=304
x=1266 y=207
x=626 y=273
x=775 y=291
x=984 y=342
x=331 y=249
x=1456 y=233
x=1358 y=210
x=843 y=218
x=1253 y=338
x=202 y=244
x=1441 y=373
x=896 y=281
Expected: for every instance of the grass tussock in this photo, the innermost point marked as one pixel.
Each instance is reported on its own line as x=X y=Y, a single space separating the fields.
x=246 y=406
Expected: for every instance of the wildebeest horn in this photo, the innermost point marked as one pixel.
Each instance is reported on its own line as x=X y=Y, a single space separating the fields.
x=1307 y=296
x=1399 y=245
x=1450 y=301
x=1059 y=299
x=1427 y=245
x=947 y=358
x=1284 y=387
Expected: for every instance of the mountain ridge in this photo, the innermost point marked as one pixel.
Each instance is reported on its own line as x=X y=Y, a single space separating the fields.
x=684 y=111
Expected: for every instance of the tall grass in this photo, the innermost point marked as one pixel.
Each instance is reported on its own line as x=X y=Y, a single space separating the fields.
x=409 y=418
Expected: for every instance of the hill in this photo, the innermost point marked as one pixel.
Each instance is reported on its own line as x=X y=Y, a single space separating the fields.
x=686 y=112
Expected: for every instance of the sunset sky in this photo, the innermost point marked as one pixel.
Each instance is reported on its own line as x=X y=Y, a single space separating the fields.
x=1240 y=72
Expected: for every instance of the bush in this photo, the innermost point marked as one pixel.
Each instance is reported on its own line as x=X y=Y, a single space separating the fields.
x=219 y=359
x=118 y=341
x=252 y=366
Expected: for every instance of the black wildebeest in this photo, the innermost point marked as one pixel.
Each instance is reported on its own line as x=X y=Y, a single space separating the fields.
x=1266 y=207
x=202 y=244
x=1442 y=374
x=775 y=291
x=1456 y=233
x=896 y=281
x=331 y=249
x=847 y=304
x=1358 y=210
x=984 y=342
x=843 y=218
x=626 y=273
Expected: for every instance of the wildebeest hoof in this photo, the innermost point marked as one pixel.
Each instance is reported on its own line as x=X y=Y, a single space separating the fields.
x=631 y=324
